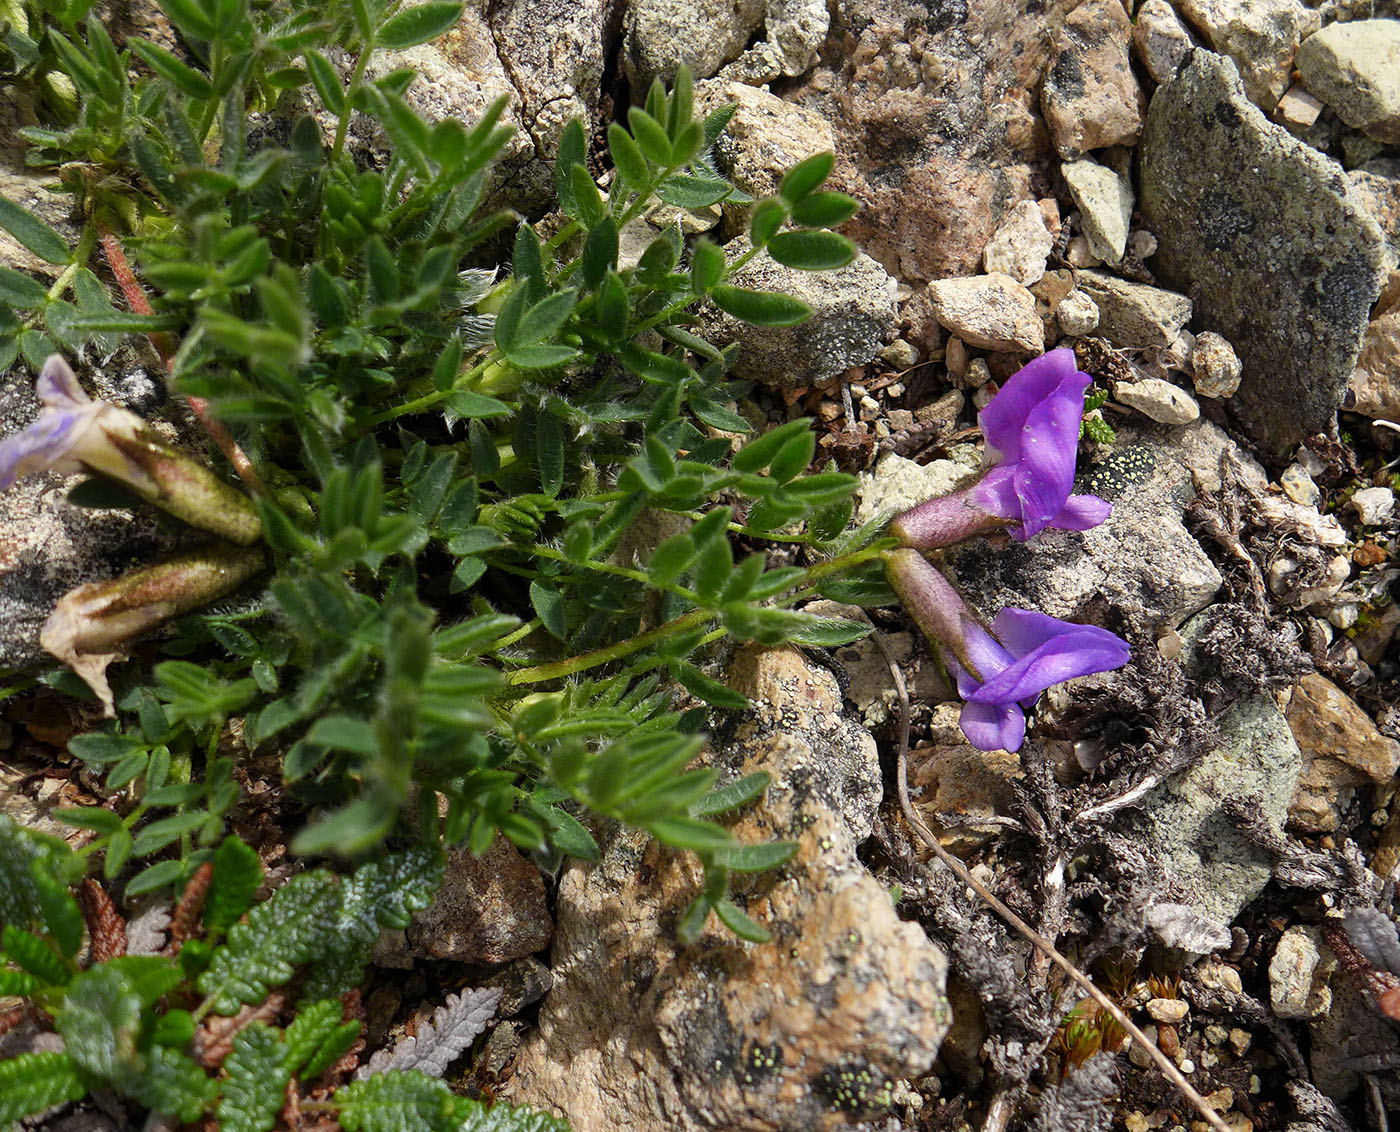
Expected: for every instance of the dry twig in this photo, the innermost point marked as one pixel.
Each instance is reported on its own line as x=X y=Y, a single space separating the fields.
x=1043 y=945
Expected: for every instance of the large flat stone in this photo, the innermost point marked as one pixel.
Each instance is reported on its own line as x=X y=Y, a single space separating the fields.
x=1261 y=231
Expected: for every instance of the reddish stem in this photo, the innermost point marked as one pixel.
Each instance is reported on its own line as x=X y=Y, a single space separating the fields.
x=136 y=300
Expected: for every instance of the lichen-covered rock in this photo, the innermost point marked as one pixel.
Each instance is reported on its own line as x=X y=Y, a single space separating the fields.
x=1354 y=68
x=1217 y=868
x=1215 y=368
x=1090 y=97
x=1342 y=750
x=852 y=314
x=1135 y=315
x=1376 y=188
x=793 y=31
x=1261 y=36
x=641 y=1032
x=1105 y=202
x=1260 y=230
x=661 y=35
x=992 y=312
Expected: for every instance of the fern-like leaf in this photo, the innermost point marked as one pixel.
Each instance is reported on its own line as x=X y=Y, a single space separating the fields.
x=473 y=1116
x=172 y=1085
x=257 y=1081
x=33 y=1082
x=454 y=1027
x=396 y=1102
x=263 y=949
x=382 y=894
x=100 y=1023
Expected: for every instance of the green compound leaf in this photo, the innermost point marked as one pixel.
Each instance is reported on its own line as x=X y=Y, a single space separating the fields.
x=33 y=1082
x=761 y=308
x=172 y=1085
x=100 y=1022
x=255 y=1083
x=237 y=874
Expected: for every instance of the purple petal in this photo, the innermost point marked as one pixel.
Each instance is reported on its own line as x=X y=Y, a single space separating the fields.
x=1081 y=512
x=995 y=493
x=1005 y=414
x=993 y=727
x=57 y=388
x=1044 y=473
x=42 y=445
x=1064 y=651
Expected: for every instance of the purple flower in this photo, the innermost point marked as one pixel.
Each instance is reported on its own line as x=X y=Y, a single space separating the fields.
x=76 y=433
x=1032 y=431
x=999 y=673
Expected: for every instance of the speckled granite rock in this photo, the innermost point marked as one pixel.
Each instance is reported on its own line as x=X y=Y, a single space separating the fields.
x=937 y=127
x=1261 y=36
x=1090 y=97
x=1258 y=228
x=852 y=313
x=803 y=1032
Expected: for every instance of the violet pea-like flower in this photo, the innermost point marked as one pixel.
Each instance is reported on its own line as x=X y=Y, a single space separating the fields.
x=75 y=433
x=1000 y=674
x=1032 y=431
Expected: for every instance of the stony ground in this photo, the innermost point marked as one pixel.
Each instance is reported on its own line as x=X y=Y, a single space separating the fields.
x=1202 y=197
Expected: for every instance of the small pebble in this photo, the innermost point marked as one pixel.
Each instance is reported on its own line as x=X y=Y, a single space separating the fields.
x=1297 y=109
x=1187 y=1066
x=1168 y=1010
x=1299 y=486
x=1077 y=314
x=1217 y=368
x=1344 y=616
x=869 y=408
x=978 y=373
x=955 y=357
x=1078 y=253
x=894 y=391
x=1373 y=505
x=1216 y=1035
x=901 y=420
x=1142 y=243
x=1159 y=400
x=1240 y=1041
x=900 y=355
x=1219 y=976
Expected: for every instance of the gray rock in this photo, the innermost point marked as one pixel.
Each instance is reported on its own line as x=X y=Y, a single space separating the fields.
x=896 y=484
x=1141 y=562
x=1261 y=36
x=1090 y=97
x=764 y=139
x=1160 y=40
x=1077 y=314
x=1355 y=68
x=1135 y=315
x=852 y=313
x=1158 y=400
x=641 y=1032
x=1217 y=869
x=1215 y=367
x=1021 y=245
x=1259 y=229
x=1105 y=201
x=992 y=312
x=793 y=31
x=660 y=35
x=1298 y=974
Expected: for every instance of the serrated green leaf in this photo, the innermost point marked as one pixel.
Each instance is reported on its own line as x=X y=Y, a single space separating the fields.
x=30 y=1083
x=255 y=1081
